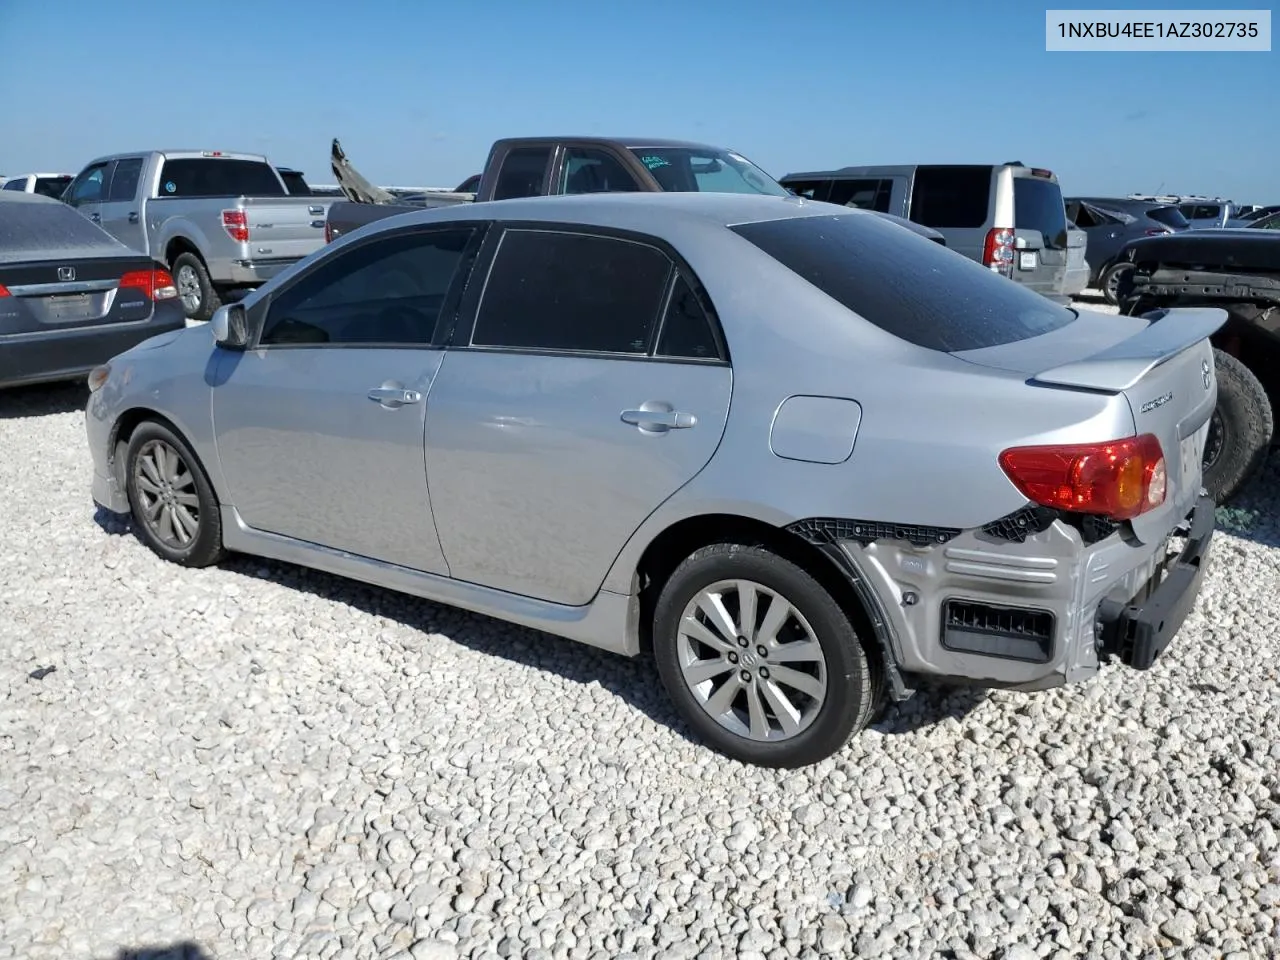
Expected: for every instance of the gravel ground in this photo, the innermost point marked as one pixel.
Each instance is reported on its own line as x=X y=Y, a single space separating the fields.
x=258 y=761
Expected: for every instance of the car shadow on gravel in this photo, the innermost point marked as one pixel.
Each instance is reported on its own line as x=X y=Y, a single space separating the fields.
x=185 y=950
x=42 y=400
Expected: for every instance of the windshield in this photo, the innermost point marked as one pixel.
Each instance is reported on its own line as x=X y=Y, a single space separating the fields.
x=1169 y=216
x=694 y=170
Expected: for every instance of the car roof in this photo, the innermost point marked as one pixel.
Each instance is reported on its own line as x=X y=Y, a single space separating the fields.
x=648 y=212
x=630 y=143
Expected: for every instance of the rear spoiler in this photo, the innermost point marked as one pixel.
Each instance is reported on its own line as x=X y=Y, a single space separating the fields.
x=1122 y=365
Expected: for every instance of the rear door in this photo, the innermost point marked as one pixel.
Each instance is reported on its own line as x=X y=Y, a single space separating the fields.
x=1041 y=240
x=121 y=208
x=88 y=190
x=590 y=386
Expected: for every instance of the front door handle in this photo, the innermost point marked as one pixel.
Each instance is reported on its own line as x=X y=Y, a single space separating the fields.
x=133 y=217
x=95 y=217
x=394 y=396
x=658 y=421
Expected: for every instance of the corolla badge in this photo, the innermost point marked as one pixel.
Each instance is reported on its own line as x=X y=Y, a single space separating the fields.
x=1208 y=373
x=1157 y=402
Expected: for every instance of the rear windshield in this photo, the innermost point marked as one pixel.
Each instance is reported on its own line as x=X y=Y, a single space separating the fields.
x=1037 y=205
x=51 y=186
x=42 y=229
x=691 y=170
x=1169 y=216
x=904 y=284
x=218 y=177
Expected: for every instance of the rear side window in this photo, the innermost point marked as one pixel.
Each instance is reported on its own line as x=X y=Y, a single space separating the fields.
x=958 y=196
x=686 y=328
x=523 y=173
x=218 y=177
x=1037 y=205
x=124 y=181
x=575 y=292
x=905 y=284
x=18 y=183
x=51 y=186
x=865 y=194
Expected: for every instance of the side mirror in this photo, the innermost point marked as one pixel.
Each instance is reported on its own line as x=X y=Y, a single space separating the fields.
x=231 y=327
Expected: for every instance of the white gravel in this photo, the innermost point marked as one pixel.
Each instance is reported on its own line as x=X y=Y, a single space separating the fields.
x=258 y=761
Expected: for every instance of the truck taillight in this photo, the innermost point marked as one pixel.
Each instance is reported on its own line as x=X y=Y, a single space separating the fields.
x=997 y=252
x=156 y=284
x=328 y=232
x=236 y=223
x=1117 y=479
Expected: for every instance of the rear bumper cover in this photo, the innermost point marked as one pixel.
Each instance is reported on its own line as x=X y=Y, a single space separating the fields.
x=1137 y=633
x=253 y=272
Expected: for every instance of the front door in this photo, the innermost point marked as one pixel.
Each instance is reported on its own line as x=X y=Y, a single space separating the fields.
x=86 y=191
x=591 y=386
x=320 y=425
x=121 y=210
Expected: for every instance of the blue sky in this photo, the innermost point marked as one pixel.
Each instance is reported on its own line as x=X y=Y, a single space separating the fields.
x=417 y=91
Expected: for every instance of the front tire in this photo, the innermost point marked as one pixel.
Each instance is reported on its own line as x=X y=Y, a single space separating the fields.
x=1240 y=431
x=199 y=298
x=174 y=509
x=759 y=658
x=1111 y=279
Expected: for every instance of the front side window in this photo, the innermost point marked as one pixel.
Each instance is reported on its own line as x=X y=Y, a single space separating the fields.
x=574 y=292
x=87 y=187
x=693 y=170
x=388 y=291
x=810 y=189
x=594 y=171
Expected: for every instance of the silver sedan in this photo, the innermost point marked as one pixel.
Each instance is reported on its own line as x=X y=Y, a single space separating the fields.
x=804 y=457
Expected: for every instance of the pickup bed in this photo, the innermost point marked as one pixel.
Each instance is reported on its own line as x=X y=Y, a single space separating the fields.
x=1239 y=271
x=544 y=166
x=222 y=222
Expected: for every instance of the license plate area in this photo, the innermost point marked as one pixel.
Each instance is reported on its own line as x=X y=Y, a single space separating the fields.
x=70 y=307
x=1191 y=453
x=1027 y=260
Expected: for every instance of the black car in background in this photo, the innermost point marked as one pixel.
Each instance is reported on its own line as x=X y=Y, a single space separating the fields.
x=71 y=295
x=1111 y=222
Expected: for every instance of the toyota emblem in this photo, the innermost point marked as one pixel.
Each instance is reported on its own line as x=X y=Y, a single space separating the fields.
x=1207 y=370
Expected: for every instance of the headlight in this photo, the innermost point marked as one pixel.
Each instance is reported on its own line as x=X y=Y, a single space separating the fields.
x=98 y=377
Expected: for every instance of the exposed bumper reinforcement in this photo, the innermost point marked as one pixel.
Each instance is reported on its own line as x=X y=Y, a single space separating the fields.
x=1138 y=632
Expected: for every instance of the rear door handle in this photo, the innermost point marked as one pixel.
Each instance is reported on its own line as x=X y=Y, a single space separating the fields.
x=394 y=396
x=95 y=217
x=659 y=421
x=133 y=218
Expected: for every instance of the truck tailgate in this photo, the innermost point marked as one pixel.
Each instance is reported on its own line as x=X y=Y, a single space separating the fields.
x=284 y=227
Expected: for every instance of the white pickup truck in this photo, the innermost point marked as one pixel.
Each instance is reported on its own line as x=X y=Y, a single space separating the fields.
x=222 y=221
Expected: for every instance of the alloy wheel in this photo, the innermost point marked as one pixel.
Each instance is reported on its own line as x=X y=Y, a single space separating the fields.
x=188 y=288
x=751 y=660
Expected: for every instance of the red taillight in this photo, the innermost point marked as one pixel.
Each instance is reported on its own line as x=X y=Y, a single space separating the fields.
x=156 y=284
x=1119 y=479
x=236 y=223
x=4 y=291
x=997 y=252
x=328 y=232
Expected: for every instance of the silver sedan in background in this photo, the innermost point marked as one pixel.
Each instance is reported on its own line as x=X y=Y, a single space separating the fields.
x=804 y=457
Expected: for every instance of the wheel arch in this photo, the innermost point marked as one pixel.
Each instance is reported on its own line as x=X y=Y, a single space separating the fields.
x=125 y=426
x=677 y=541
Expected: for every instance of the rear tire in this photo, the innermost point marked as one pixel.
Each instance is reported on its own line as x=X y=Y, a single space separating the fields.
x=768 y=689
x=199 y=298
x=1240 y=432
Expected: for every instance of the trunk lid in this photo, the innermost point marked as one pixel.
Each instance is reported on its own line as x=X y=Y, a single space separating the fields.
x=1162 y=364
x=44 y=297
